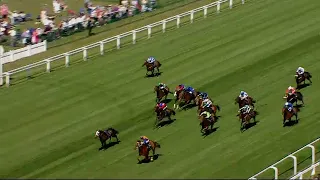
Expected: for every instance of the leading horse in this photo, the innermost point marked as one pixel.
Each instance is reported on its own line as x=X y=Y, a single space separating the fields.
x=293 y=98
x=144 y=150
x=150 y=67
x=288 y=114
x=105 y=135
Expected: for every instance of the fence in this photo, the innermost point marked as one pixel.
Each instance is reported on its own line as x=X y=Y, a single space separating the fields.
x=311 y=168
x=295 y=162
x=117 y=39
x=24 y=52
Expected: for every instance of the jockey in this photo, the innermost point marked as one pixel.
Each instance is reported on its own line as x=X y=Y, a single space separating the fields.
x=162 y=86
x=145 y=140
x=243 y=95
x=291 y=90
x=207 y=103
x=245 y=109
x=204 y=95
x=207 y=115
x=181 y=87
x=151 y=60
x=189 y=89
x=288 y=105
x=162 y=106
x=300 y=71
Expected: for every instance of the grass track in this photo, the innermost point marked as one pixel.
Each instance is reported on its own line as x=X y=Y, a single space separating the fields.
x=256 y=48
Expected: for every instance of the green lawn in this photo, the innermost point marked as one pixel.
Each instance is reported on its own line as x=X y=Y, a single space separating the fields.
x=48 y=122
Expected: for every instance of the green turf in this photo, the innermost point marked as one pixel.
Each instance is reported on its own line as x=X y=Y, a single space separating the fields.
x=48 y=123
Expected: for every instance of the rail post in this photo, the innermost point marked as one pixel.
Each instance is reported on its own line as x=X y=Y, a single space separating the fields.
x=67 y=59
x=118 y=42
x=48 y=64
x=164 y=26
x=230 y=4
x=191 y=16
x=149 y=31
x=134 y=37
x=8 y=79
x=85 y=53
x=218 y=6
x=178 y=21
x=295 y=164
x=205 y=11
x=101 y=47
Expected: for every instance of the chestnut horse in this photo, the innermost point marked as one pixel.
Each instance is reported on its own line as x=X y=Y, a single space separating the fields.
x=151 y=67
x=245 y=119
x=302 y=78
x=213 y=110
x=144 y=150
x=247 y=101
x=161 y=93
x=205 y=124
x=287 y=115
x=182 y=95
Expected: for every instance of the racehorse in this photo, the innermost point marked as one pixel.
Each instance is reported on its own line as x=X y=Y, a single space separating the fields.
x=293 y=98
x=107 y=134
x=144 y=150
x=151 y=67
x=182 y=95
x=247 y=101
x=205 y=124
x=162 y=114
x=305 y=76
x=245 y=118
x=213 y=110
x=161 y=93
x=287 y=115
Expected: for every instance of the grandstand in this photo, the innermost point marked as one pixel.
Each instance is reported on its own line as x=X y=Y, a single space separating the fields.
x=48 y=121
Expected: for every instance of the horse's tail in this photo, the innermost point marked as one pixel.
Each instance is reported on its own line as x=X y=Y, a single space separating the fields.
x=115 y=131
x=159 y=64
x=309 y=74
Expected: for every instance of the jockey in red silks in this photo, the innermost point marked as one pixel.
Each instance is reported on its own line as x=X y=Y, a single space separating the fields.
x=291 y=90
x=162 y=106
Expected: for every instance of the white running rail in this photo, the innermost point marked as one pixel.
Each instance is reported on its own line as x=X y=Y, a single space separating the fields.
x=27 y=51
x=295 y=162
x=117 y=39
x=312 y=168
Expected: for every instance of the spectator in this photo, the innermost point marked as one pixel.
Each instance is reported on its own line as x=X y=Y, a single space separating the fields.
x=13 y=34
x=4 y=9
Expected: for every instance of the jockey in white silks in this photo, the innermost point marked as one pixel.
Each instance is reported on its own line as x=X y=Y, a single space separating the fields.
x=300 y=71
x=245 y=109
x=151 y=60
x=207 y=103
x=243 y=95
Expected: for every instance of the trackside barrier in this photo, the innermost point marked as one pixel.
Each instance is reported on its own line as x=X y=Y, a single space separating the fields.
x=295 y=162
x=311 y=168
x=117 y=39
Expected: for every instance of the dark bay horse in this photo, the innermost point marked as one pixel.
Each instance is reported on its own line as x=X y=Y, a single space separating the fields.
x=144 y=150
x=166 y=113
x=106 y=134
x=247 y=101
x=305 y=76
x=181 y=96
x=205 y=124
x=287 y=115
x=245 y=119
x=293 y=98
x=161 y=93
x=151 y=67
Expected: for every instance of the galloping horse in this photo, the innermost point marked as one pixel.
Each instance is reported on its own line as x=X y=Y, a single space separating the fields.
x=166 y=113
x=293 y=98
x=205 y=124
x=144 y=150
x=245 y=118
x=247 y=101
x=106 y=134
x=213 y=109
x=182 y=95
x=287 y=115
x=305 y=76
x=161 y=93
x=151 y=67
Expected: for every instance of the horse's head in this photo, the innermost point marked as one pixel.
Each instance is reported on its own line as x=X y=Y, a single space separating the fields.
x=138 y=144
x=237 y=100
x=156 y=88
x=177 y=92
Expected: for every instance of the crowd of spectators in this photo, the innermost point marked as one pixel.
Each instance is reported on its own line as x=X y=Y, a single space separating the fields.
x=53 y=26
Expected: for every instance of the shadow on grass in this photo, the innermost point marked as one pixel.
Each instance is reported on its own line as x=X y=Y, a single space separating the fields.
x=109 y=145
